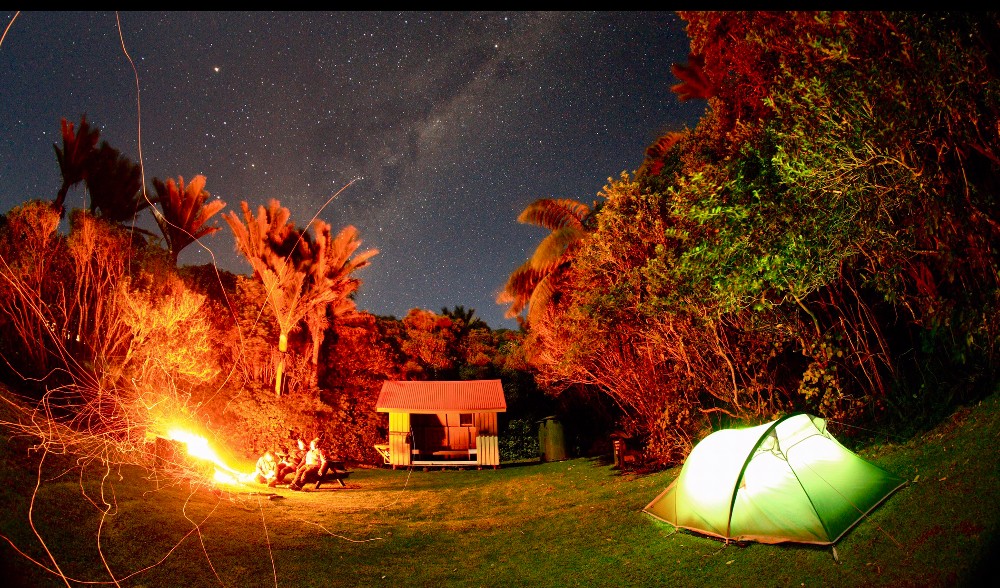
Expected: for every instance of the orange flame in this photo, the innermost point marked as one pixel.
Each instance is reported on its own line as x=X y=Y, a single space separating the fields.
x=197 y=446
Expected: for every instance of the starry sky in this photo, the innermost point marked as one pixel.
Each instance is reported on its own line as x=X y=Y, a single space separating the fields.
x=437 y=128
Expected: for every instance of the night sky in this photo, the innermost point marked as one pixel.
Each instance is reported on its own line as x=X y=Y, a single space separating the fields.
x=448 y=124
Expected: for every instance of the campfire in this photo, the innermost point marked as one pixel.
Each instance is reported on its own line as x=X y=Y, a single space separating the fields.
x=198 y=446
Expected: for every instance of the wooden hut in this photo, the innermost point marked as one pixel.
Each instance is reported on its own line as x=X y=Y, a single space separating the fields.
x=442 y=423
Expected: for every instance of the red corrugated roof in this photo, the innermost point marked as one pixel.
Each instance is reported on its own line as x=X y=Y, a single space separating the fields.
x=432 y=397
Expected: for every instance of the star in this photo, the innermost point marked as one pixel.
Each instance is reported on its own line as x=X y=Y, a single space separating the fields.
x=451 y=136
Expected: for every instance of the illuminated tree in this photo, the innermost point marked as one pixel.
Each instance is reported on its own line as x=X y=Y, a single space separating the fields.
x=859 y=199
x=167 y=336
x=358 y=359
x=333 y=262
x=31 y=253
x=655 y=366
x=113 y=181
x=110 y=335
x=475 y=345
x=184 y=212
x=303 y=274
x=466 y=318
x=532 y=285
x=824 y=240
x=115 y=185
x=429 y=344
x=67 y=287
x=99 y=252
x=74 y=158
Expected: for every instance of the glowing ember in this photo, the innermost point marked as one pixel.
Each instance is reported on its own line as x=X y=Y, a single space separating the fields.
x=198 y=446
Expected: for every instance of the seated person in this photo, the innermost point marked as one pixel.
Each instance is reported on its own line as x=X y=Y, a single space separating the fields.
x=266 y=471
x=313 y=466
x=292 y=461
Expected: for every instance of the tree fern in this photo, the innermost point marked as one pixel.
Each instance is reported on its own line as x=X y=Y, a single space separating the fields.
x=565 y=218
x=184 y=212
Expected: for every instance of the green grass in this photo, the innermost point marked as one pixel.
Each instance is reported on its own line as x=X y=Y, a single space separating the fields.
x=571 y=523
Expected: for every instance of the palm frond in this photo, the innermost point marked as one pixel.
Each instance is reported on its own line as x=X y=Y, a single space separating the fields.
x=564 y=217
x=555 y=213
x=554 y=247
x=79 y=147
x=518 y=289
x=542 y=295
x=694 y=83
x=184 y=212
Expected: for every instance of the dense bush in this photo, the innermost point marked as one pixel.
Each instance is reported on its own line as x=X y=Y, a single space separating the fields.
x=825 y=240
x=519 y=441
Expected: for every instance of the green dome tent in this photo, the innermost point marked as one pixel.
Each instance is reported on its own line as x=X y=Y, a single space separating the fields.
x=787 y=480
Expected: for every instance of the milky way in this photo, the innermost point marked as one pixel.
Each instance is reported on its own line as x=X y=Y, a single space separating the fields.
x=448 y=124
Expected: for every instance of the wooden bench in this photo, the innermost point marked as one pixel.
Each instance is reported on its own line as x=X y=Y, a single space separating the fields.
x=335 y=470
x=447 y=453
x=451 y=453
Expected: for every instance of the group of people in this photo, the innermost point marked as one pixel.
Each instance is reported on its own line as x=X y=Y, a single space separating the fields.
x=304 y=464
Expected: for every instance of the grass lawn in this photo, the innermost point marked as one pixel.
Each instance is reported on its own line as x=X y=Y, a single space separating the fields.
x=570 y=523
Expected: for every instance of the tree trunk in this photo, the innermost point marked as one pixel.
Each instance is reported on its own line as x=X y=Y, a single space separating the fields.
x=279 y=373
x=59 y=202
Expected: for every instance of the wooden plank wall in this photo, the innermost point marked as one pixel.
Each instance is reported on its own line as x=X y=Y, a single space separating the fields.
x=399 y=446
x=487 y=450
x=486 y=422
x=487 y=446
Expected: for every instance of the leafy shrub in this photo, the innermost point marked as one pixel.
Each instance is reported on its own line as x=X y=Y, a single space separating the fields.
x=519 y=441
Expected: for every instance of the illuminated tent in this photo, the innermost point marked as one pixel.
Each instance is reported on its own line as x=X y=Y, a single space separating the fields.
x=787 y=480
